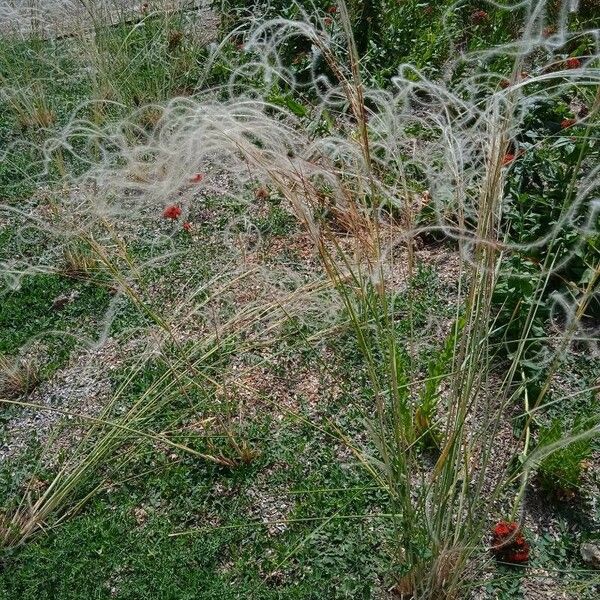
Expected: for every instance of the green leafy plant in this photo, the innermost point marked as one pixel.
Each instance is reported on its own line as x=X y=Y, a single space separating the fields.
x=561 y=471
x=553 y=227
x=387 y=33
x=426 y=429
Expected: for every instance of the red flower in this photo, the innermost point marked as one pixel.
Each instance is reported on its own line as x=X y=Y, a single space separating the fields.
x=508 y=158
x=479 y=16
x=328 y=21
x=509 y=544
x=573 y=63
x=520 y=556
x=518 y=551
x=197 y=178
x=503 y=530
x=172 y=212
x=187 y=226
x=504 y=83
x=566 y=123
x=332 y=10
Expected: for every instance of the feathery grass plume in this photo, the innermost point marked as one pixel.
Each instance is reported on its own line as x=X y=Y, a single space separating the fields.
x=468 y=126
x=354 y=164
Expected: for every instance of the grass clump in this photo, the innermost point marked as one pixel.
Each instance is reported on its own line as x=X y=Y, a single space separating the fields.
x=17 y=377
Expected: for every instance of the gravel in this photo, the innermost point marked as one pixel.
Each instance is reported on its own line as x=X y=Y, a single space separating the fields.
x=81 y=388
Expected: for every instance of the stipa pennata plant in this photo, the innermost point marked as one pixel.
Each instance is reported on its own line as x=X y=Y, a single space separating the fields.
x=353 y=187
x=79 y=260
x=31 y=110
x=18 y=376
x=136 y=419
x=352 y=169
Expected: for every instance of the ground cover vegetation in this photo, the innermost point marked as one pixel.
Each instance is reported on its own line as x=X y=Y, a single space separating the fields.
x=299 y=299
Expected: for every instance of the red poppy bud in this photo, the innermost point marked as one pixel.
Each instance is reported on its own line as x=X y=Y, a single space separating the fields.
x=479 y=16
x=566 y=123
x=508 y=158
x=573 y=63
x=172 y=212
